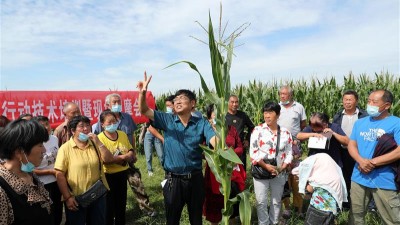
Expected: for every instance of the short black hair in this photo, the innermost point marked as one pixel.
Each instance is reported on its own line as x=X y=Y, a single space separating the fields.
x=190 y=94
x=21 y=135
x=351 y=92
x=170 y=98
x=73 y=123
x=272 y=106
x=387 y=96
x=41 y=118
x=4 y=121
x=106 y=113
x=209 y=110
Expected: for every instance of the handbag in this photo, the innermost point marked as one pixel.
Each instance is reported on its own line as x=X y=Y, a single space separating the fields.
x=96 y=191
x=260 y=173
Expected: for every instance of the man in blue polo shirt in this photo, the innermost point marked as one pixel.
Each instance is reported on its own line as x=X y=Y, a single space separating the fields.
x=183 y=133
x=373 y=177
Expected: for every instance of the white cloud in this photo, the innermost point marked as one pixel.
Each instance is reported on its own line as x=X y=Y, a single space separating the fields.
x=92 y=45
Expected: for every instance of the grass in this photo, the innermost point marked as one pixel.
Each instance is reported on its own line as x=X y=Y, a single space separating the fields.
x=153 y=189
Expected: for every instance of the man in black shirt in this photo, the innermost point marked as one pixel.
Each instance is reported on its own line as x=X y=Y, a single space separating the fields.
x=240 y=121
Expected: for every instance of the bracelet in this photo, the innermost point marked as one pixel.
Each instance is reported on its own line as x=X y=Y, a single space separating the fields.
x=69 y=197
x=101 y=145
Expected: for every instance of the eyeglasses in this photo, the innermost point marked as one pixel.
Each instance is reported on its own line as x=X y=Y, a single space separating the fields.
x=180 y=98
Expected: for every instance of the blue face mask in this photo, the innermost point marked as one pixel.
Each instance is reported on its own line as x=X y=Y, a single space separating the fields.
x=116 y=108
x=28 y=167
x=83 y=137
x=112 y=127
x=169 y=110
x=373 y=111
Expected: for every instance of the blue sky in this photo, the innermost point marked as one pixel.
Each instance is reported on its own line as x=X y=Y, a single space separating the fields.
x=102 y=45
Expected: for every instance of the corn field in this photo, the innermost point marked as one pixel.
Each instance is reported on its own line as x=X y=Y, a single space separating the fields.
x=314 y=94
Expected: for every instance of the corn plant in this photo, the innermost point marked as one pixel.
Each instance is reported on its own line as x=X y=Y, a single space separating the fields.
x=222 y=159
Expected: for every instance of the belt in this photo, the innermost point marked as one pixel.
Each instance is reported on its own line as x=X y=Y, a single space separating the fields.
x=184 y=176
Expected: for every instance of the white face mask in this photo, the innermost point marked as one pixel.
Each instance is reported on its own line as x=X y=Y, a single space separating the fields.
x=285 y=102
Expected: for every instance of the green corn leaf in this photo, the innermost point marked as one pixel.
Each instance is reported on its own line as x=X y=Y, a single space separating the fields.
x=203 y=83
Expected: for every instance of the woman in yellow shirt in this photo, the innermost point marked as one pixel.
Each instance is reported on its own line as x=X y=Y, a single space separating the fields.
x=77 y=167
x=117 y=143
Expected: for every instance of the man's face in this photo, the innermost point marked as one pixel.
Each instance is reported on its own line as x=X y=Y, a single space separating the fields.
x=284 y=95
x=375 y=99
x=115 y=100
x=72 y=111
x=169 y=104
x=349 y=102
x=233 y=104
x=182 y=104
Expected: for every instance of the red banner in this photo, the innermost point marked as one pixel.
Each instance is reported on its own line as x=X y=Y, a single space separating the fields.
x=50 y=104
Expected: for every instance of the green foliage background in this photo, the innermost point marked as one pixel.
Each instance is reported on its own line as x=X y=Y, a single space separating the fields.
x=315 y=94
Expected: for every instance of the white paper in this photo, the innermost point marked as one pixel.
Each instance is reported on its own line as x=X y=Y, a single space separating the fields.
x=163 y=183
x=317 y=142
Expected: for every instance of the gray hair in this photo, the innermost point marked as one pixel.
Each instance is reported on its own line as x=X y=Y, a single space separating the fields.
x=290 y=90
x=67 y=106
x=108 y=97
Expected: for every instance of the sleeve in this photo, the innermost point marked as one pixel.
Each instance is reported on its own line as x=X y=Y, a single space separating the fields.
x=126 y=141
x=238 y=143
x=6 y=215
x=160 y=120
x=307 y=129
x=61 y=160
x=208 y=131
x=254 y=148
x=339 y=130
x=288 y=148
x=303 y=113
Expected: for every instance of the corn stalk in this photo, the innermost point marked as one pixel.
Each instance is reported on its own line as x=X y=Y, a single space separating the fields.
x=222 y=159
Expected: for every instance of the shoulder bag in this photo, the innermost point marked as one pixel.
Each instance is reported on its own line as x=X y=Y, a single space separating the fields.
x=97 y=190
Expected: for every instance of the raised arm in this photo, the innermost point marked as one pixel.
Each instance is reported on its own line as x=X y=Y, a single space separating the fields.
x=143 y=107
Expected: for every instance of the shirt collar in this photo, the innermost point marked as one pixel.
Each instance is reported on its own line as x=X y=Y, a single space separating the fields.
x=74 y=145
x=192 y=119
x=355 y=112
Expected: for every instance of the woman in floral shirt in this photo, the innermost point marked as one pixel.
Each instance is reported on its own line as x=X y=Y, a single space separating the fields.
x=263 y=145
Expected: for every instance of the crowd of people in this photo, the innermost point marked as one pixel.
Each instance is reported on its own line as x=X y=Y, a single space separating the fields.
x=353 y=161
